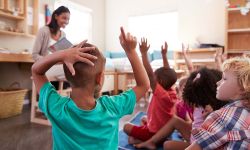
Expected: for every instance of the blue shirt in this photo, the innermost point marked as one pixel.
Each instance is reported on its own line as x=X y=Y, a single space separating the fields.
x=75 y=128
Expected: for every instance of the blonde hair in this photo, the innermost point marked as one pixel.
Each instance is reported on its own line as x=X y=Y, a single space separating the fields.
x=240 y=66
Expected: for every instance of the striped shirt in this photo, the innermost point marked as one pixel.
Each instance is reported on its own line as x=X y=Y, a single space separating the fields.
x=227 y=128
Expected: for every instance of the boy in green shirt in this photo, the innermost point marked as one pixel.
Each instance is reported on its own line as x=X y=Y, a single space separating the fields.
x=85 y=120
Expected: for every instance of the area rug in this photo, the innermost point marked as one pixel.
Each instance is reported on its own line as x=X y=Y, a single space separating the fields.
x=123 y=138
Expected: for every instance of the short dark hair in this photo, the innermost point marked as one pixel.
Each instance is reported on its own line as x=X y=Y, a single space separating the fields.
x=166 y=77
x=53 y=23
x=84 y=73
x=200 y=89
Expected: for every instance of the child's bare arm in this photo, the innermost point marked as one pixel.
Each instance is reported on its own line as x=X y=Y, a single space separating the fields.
x=164 y=51
x=218 y=58
x=187 y=59
x=193 y=146
x=128 y=42
x=68 y=56
x=144 y=49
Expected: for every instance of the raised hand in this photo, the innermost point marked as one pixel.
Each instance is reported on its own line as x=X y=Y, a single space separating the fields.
x=218 y=54
x=219 y=58
x=144 y=45
x=164 y=49
x=78 y=54
x=187 y=59
x=128 y=42
x=185 y=51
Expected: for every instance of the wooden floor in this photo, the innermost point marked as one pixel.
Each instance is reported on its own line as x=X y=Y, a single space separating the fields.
x=17 y=133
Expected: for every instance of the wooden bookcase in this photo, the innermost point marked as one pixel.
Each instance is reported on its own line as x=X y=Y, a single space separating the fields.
x=199 y=57
x=237 y=30
x=16 y=20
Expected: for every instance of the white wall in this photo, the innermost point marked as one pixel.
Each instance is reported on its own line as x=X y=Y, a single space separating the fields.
x=202 y=19
x=98 y=13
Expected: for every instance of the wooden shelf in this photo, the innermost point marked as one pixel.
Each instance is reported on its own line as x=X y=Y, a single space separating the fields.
x=234 y=9
x=209 y=60
x=16 y=34
x=200 y=50
x=6 y=15
x=16 y=57
x=231 y=51
x=199 y=57
x=20 y=19
x=238 y=30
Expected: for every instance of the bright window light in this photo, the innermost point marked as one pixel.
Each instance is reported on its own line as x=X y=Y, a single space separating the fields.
x=157 y=28
x=80 y=23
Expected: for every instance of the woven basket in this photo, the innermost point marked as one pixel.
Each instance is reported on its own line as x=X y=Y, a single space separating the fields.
x=11 y=101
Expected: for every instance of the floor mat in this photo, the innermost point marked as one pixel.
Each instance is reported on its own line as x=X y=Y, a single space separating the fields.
x=123 y=138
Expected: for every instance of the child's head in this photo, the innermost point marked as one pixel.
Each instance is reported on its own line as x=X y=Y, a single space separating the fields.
x=166 y=77
x=200 y=88
x=86 y=75
x=181 y=84
x=235 y=83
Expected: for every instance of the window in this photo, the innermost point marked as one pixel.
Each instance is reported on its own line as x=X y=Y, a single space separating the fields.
x=80 y=23
x=157 y=28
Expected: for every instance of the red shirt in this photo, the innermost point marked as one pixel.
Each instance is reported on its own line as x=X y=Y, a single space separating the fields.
x=161 y=108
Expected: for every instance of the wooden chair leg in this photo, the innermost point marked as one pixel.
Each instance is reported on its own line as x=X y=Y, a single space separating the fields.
x=33 y=102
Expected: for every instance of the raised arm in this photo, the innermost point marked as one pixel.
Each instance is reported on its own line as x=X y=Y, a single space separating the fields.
x=144 y=49
x=68 y=56
x=187 y=59
x=164 y=51
x=218 y=58
x=128 y=42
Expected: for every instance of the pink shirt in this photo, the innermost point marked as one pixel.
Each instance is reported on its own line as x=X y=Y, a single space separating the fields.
x=161 y=108
x=182 y=109
x=198 y=120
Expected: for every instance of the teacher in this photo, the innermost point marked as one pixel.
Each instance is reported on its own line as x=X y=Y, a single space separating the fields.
x=51 y=33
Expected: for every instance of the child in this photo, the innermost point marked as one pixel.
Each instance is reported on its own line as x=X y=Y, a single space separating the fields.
x=160 y=109
x=183 y=110
x=200 y=92
x=84 y=121
x=228 y=127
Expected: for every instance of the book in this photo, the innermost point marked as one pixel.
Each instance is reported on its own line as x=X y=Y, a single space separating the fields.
x=61 y=44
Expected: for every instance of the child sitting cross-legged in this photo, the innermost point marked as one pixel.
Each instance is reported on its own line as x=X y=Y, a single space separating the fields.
x=161 y=107
x=85 y=120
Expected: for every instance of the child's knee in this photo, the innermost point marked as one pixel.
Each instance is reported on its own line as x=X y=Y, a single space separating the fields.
x=167 y=145
x=127 y=128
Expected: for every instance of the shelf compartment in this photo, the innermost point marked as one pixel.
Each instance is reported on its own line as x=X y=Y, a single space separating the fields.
x=239 y=40
x=238 y=21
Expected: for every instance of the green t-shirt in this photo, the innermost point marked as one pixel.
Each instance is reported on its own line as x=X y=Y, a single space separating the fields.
x=74 y=128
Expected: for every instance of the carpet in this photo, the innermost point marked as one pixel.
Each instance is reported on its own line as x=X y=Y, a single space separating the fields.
x=123 y=137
